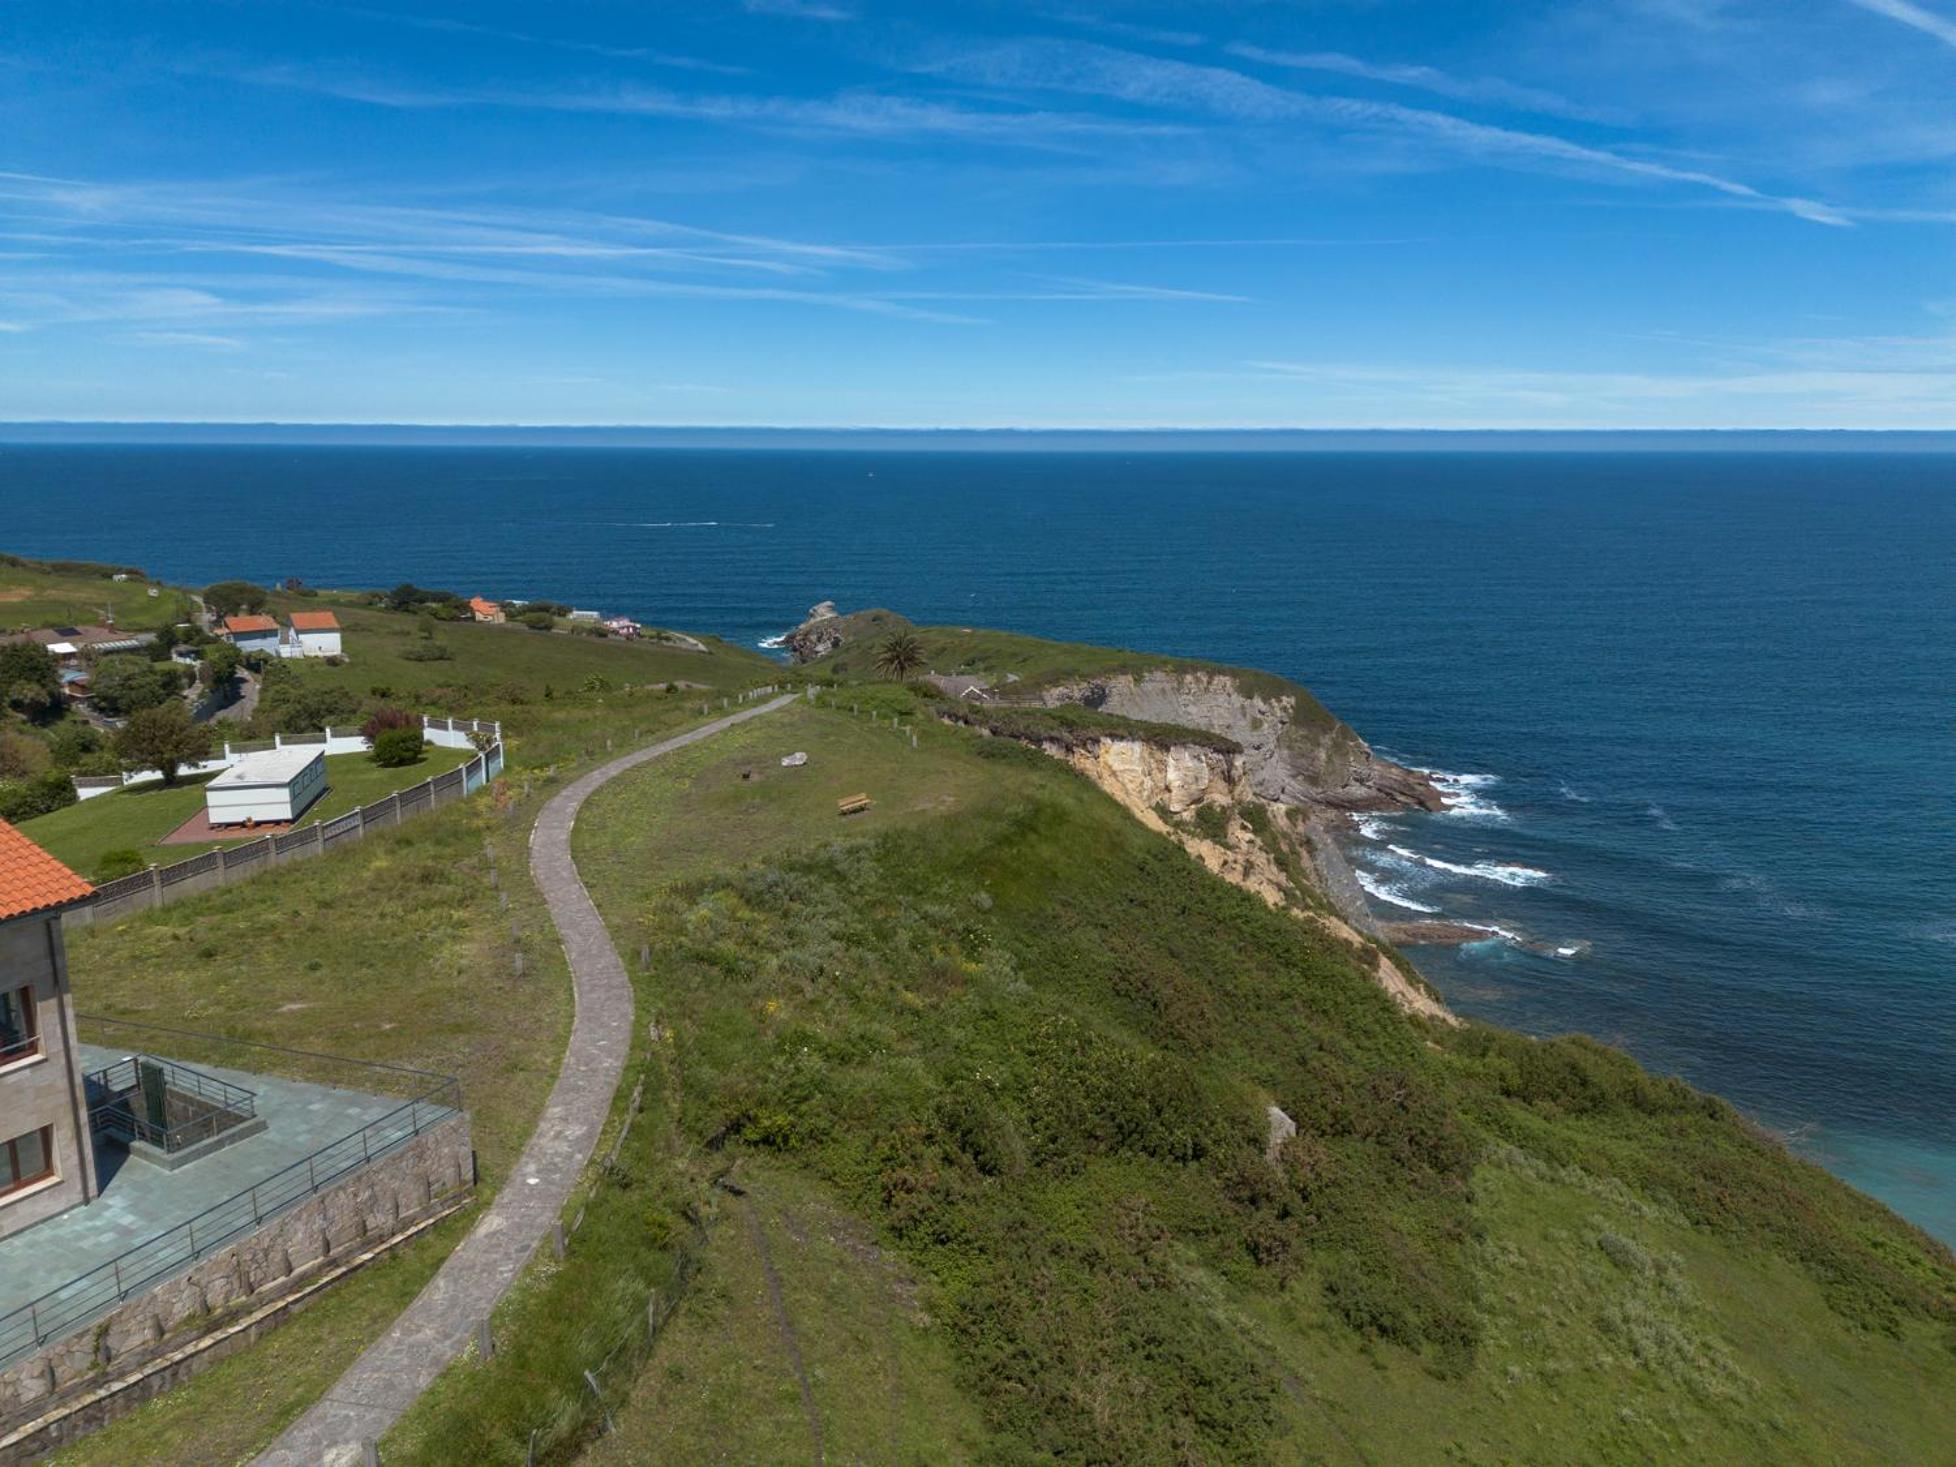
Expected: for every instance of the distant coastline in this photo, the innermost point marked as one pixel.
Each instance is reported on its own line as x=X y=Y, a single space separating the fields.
x=998 y=440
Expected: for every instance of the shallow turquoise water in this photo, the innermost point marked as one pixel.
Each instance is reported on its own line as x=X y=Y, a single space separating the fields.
x=1710 y=695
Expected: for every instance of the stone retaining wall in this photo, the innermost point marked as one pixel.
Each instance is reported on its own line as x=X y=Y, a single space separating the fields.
x=424 y=1176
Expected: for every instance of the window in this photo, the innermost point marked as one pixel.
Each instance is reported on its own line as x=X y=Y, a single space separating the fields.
x=26 y=1160
x=20 y=1029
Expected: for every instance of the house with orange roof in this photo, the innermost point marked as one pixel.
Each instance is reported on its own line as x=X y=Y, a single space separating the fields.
x=47 y=1156
x=314 y=634
x=483 y=609
x=252 y=633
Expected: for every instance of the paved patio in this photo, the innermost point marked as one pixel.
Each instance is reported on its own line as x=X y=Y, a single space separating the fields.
x=139 y=1201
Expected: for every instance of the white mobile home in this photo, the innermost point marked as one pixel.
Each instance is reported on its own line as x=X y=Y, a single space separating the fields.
x=271 y=787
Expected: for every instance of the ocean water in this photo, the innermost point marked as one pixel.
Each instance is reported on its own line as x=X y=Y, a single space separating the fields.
x=1698 y=711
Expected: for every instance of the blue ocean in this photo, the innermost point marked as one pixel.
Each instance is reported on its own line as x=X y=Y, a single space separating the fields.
x=1698 y=710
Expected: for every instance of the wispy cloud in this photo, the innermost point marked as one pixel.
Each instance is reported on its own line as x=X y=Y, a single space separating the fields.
x=859 y=114
x=643 y=54
x=799 y=9
x=1427 y=79
x=476 y=256
x=1942 y=27
x=1156 y=82
x=185 y=338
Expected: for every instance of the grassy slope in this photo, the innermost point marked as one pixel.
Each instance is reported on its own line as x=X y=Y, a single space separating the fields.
x=1036 y=662
x=31 y=596
x=398 y=950
x=1029 y=1044
x=140 y=817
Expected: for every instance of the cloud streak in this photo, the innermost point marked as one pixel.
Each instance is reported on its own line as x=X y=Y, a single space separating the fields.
x=1155 y=82
x=1910 y=14
x=1426 y=79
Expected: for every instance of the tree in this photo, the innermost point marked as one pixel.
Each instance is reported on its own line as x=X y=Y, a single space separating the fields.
x=30 y=683
x=224 y=660
x=22 y=757
x=228 y=598
x=162 y=738
x=385 y=718
x=124 y=684
x=900 y=655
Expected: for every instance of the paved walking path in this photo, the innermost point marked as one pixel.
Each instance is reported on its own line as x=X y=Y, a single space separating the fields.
x=393 y=1371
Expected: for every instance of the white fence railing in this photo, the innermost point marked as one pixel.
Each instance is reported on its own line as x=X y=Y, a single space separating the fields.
x=446 y=733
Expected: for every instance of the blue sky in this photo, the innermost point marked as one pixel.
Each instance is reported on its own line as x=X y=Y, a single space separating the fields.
x=1593 y=213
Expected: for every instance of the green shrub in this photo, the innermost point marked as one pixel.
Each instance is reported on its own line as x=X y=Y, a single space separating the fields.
x=118 y=863
x=396 y=748
x=23 y=799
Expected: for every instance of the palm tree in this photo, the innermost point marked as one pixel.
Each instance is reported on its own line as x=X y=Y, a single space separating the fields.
x=899 y=656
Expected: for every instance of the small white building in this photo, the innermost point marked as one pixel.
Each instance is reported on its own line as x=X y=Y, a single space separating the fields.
x=274 y=786
x=315 y=634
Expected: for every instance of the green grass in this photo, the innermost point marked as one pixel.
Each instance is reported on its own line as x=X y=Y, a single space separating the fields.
x=487 y=662
x=1028 y=1044
x=138 y=818
x=841 y=1310
x=230 y=1412
x=1037 y=663
x=33 y=596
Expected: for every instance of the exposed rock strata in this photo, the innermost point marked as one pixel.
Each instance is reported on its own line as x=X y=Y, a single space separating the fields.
x=1294 y=753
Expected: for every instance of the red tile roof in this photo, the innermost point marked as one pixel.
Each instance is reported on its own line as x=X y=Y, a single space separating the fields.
x=250 y=624
x=483 y=608
x=31 y=880
x=315 y=621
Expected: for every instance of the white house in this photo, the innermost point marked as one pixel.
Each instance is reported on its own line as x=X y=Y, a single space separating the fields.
x=314 y=634
x=273 y=786
x=255 y=633
x=622 y=626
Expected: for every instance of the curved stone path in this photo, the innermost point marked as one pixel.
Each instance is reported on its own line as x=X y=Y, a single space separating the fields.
x=393 y=1371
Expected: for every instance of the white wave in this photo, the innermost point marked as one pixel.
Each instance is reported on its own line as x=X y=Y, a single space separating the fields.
x=1369 y=826
x=1505 y=873
x=1570 y=792
x=1571 y=949
x=1385 y=893
x=780 y=640
x=1661 y=816
x=1495 y=932
x=1462 y=794
x=698 y=524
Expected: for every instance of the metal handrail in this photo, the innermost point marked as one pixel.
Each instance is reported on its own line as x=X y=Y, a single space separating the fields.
x=71 y=1305
x=230 y=1105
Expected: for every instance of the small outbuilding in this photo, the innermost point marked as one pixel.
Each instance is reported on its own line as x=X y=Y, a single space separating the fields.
x=483 y=609
x=273 y=787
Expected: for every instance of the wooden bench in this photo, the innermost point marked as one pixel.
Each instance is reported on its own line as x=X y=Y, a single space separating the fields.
x=853 y=804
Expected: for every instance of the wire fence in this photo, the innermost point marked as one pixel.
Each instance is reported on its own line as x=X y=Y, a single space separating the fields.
x=161 y=885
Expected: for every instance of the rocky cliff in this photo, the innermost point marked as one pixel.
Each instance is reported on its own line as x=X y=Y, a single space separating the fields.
x=1294 y=753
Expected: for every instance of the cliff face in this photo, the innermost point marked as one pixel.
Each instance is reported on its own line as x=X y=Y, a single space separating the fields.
x=1292 y=755
x=1153 y=780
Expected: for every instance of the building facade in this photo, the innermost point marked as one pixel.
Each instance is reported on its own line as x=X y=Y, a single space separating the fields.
x=254 y=633
x=47 y=1159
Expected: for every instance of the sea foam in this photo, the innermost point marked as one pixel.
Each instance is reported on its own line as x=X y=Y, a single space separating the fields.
x=1507 y=873
x=1386 y=893
x=1462 y=794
